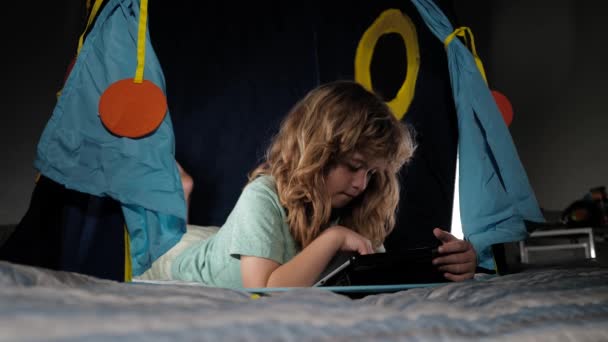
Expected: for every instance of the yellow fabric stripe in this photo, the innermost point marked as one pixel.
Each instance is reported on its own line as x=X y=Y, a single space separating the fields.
x=141 y=41
x=462 y=32
x=92 y=16
x=128 y=268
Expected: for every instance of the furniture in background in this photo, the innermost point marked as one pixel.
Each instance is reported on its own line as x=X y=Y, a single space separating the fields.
x=563 y=244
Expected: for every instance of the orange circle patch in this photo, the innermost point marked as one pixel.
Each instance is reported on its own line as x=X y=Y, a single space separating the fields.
x=132 y=110
x=504 y=105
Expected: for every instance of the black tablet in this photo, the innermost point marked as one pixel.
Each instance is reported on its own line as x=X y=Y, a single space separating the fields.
x=409 y=266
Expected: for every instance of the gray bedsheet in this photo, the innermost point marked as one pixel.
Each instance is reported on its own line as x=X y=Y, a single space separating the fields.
x=547 y=304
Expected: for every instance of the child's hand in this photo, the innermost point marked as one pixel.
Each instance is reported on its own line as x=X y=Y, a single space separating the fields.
x=350 y=240
x=458 y=258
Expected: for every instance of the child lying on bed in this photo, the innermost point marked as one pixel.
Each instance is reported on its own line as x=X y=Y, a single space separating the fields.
x=329 y=183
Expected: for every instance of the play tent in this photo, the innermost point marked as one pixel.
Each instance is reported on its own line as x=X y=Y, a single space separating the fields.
x=230 y=71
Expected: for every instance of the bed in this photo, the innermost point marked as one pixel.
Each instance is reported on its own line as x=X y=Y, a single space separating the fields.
x=551 y=303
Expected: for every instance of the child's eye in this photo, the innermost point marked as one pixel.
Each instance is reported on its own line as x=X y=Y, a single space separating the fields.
x=354 y=167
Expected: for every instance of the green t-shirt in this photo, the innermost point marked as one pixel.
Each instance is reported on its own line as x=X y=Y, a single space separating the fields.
x=257 y=226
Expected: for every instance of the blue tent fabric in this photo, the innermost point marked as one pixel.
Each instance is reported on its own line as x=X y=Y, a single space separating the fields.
x=77 y=151
x=495 y=194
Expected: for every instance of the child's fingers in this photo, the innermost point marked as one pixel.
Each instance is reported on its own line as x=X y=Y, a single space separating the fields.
x=457 y=246
x=365 y=247
x=463 y=268
x=456 y=258
x=443 y=236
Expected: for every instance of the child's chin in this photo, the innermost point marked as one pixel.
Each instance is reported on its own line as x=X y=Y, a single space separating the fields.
x=339 y=203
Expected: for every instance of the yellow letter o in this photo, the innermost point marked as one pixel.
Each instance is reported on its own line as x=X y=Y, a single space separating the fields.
x=390 y=21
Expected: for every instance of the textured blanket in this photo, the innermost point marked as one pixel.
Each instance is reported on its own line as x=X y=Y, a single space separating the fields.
x=549 y=304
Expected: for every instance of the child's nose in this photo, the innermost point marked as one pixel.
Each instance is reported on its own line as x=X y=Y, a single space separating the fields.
x=360 y=180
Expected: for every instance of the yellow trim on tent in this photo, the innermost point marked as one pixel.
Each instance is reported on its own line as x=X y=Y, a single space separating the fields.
x=141 y=41
x=128 y=267
x=92 y=16
x=462 y=32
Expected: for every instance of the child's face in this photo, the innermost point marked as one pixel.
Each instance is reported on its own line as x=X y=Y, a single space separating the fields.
x=349 y=178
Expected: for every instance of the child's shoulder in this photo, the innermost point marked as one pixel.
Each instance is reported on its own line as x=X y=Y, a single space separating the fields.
x=262 y=185
x=263 y=181
x=261 y=193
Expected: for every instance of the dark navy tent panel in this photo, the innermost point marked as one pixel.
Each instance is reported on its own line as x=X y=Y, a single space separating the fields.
x=68 y=230
x=233 y=71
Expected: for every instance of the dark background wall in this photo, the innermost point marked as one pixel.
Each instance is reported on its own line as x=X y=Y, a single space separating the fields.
x=550 y=57
x=547 y=56
x=38 y=41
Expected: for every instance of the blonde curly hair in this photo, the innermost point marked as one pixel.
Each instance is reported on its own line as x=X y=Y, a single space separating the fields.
x=331 y=123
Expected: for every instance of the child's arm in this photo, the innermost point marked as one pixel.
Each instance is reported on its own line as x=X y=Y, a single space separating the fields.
x=304 y=268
